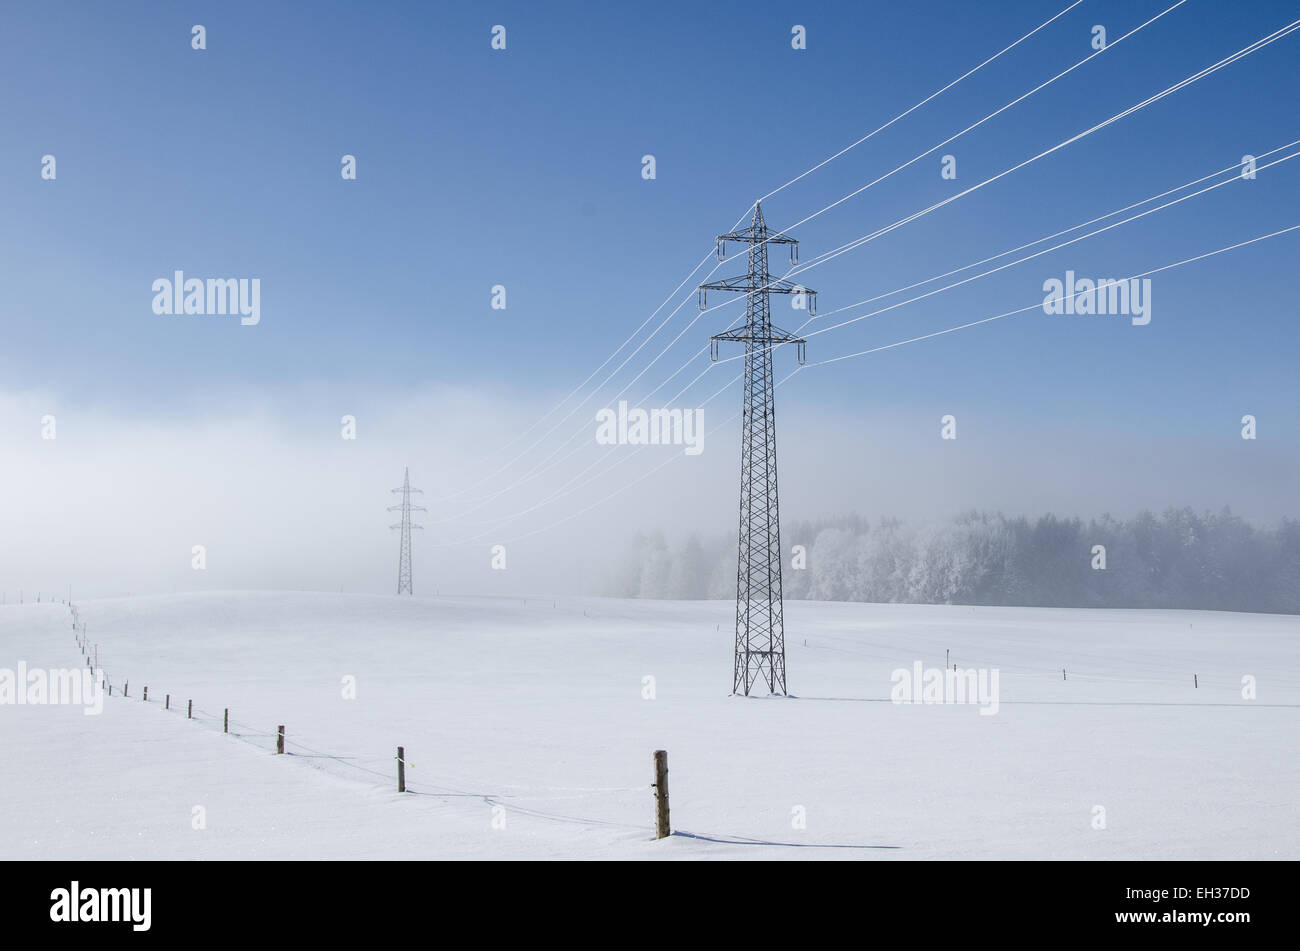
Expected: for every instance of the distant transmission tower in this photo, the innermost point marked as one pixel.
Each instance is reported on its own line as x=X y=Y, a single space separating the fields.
x=760 y=621
x=406 y=508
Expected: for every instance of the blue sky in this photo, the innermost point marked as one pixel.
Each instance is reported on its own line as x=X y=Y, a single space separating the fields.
x=522 y=168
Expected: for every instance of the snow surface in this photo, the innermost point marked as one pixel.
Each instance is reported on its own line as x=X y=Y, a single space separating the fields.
x=534 y=711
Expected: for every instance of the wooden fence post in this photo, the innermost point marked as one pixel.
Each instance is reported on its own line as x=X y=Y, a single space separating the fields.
x=1195 y=682
x=225 y=721
x=146 y=694
x=167 y=703
x=1062 y=673
x=279 y=738
x=662 y=828
x=126 y=689
x=401 y=769
x=189 y=711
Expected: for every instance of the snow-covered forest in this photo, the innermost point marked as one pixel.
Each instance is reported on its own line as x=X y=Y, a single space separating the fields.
x=1177 y=559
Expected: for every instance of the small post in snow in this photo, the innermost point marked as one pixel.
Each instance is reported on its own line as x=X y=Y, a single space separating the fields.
x=1195 y=684
x=225 y=721
x=401 y=769
x=279 y=738
x=189 y=711
x=146 y=694
x=662 y=827
x=167 y=701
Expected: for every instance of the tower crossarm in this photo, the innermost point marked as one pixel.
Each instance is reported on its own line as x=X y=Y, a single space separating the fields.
x=750 y=236
x=758 y=234
x=743 y=285
x=774 y=337
x=751 y=285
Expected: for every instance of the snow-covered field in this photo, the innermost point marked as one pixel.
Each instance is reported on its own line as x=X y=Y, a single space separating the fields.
x=529 y=734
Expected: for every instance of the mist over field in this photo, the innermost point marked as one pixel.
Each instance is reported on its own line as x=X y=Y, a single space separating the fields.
x=266 y=482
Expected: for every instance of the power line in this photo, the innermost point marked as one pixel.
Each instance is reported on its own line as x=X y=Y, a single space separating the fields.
x=1235 y=167
x=1056 y=247
x=1009 y=313
x=822 y=258
x=541 y=465
x=1181 y=84
x=561 y=491
x=694 y=270
x=991 y=115
x=1186 y=81
x=575 y=390
x=670 y=459
x=933 y=95
x=830 y=255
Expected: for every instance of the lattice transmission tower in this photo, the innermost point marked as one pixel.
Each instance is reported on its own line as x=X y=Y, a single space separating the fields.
x=760 y=619
x=406 y=508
